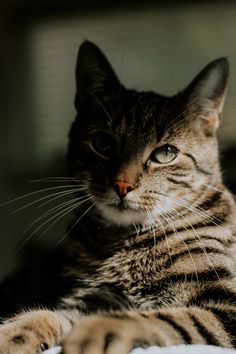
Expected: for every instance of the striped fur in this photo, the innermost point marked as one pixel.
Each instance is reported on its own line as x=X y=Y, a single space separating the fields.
x=150 y=259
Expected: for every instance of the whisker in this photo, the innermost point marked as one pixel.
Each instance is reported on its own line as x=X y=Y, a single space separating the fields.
x=57 y=194
x=212 y=187
x=201 y=213
x=60 y=196
x=100 y=104
x=77 y=205
x=61 y=214
x=44 y=215
x=200 y=244
x=176 y=119
x=182 y=240
x=36 y=192
x=37 y=220
x=154 y=235
x=57 y=179
x=73 y=226
x=137 y=229
x=166 y=238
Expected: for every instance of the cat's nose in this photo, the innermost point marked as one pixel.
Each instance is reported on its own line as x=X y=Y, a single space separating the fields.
x=123 y=188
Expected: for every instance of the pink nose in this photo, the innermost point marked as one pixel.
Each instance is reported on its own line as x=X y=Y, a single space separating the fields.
x=123 y=188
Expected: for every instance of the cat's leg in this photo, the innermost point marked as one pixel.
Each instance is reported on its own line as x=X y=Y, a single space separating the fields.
x=121 y=332
x=34 y=331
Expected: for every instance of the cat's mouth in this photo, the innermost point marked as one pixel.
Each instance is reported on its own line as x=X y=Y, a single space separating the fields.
x=120 y=205
x=121 y=212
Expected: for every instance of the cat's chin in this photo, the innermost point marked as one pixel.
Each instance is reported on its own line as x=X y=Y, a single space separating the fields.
x=121 y=216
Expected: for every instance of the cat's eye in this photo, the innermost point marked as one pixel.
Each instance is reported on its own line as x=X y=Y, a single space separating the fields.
x=103 y=144
x=164 y=154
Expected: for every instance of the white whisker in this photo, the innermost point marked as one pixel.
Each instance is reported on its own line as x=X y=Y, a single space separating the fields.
x=182 y=240
x=54 y=179
x=47 y=213
x=200 y=243
x=36 y=192
x=166 y=239
x=57 y=194
x=61 y=214
x=212 y=187
x=73 y=226
x=201 y=213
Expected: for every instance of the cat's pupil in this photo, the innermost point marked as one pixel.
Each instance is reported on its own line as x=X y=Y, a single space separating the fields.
x=164 y=154
x=104 y=144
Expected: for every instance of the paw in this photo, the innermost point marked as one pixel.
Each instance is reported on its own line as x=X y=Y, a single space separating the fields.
x=29 y=333
x=20 y=339
x=110 y=335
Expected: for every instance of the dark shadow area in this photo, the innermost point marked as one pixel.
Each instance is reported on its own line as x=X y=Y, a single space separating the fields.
x=148 y=44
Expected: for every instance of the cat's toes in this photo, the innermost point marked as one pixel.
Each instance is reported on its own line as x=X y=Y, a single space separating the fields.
x=95 y=335
x=107 y=334
x=24 y=340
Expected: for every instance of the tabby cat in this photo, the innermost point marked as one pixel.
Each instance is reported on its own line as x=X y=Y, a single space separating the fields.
x=149 y=259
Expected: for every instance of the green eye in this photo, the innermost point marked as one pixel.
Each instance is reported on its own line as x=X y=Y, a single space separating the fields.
x=103 y=144
x=164 y=154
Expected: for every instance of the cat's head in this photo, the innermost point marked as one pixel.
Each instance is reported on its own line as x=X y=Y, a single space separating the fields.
x=140 y=154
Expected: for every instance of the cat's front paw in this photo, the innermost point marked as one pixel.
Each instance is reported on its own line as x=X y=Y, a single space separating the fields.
x=18 y=339
x=111 y=334
x=29 y=333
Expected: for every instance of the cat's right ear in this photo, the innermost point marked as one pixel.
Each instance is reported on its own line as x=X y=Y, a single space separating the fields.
x=94 y=74
x=206 y=95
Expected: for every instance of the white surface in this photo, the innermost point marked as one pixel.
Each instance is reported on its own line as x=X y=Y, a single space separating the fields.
x=185 y=349
x=180 y=349
x=55 y=350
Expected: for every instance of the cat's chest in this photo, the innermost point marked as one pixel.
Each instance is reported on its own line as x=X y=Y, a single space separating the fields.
x=134 y=265
x=139 y=274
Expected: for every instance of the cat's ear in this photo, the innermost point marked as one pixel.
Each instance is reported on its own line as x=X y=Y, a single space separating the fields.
x=94 y=74
x=206 y=95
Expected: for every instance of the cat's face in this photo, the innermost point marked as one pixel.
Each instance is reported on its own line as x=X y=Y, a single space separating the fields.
x=142 y=156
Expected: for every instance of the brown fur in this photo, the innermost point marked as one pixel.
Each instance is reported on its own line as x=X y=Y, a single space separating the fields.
x=155 y=265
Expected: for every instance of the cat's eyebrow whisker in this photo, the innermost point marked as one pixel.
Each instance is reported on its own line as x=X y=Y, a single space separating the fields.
x=100 y=104
x=57 y=194
x=76 y=222
x=134 y=106
x=164 y=107
x=176 y=120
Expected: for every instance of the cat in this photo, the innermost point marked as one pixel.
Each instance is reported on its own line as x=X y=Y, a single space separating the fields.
x=149 y=258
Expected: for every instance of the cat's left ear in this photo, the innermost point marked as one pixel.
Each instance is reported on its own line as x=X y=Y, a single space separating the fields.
x=206 y=95
x=94 y=74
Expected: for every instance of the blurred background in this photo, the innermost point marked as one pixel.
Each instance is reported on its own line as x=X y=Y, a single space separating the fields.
x=153 y=45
